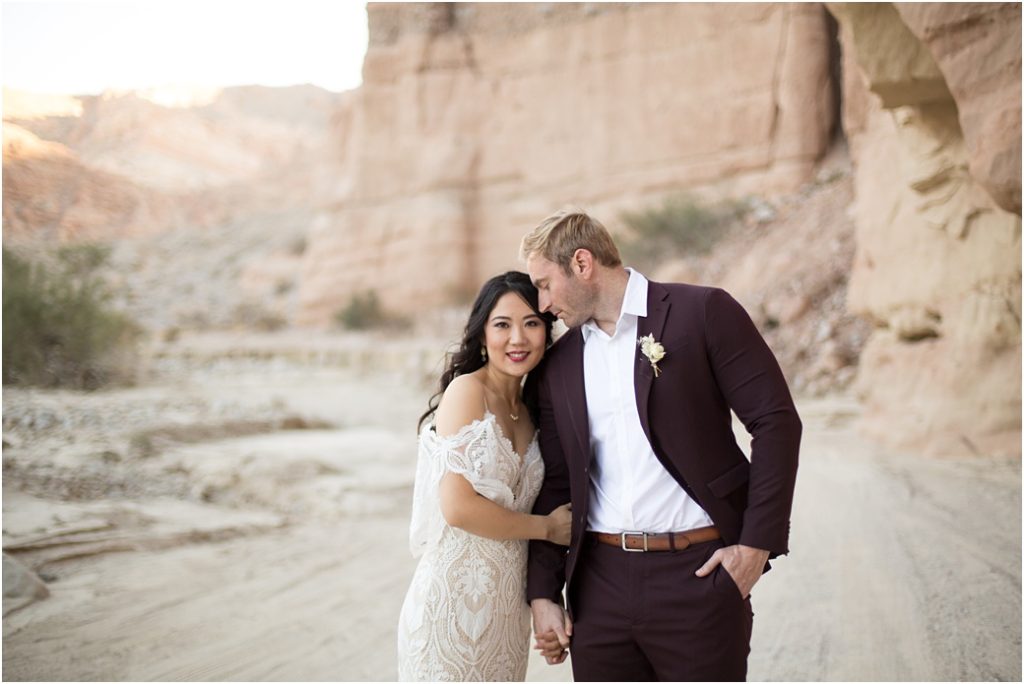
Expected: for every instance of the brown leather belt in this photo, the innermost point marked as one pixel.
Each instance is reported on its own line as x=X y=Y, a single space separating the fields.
x=662 y=541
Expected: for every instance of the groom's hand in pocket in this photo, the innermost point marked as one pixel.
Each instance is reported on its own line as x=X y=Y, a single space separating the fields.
x=745 y=565
x=552 y=630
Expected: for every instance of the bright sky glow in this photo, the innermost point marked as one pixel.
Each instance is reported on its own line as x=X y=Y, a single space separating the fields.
x=80 y=48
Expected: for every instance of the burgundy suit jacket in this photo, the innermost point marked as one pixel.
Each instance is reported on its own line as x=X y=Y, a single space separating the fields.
x=715 y=360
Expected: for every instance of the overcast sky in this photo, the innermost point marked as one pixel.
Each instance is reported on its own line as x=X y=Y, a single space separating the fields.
x=83 y=48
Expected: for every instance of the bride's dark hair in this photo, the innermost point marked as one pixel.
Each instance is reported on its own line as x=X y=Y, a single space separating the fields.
x=467 y=357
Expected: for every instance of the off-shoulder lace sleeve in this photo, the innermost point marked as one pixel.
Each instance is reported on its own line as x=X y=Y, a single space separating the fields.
x=471 y=452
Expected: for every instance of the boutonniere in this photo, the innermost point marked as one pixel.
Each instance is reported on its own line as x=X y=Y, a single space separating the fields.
x=652 y=350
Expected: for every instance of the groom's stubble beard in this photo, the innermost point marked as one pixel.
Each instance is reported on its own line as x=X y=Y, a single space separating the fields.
x=581 y=302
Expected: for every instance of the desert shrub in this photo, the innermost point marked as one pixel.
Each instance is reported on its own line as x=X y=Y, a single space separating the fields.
x=680 y=226
x=58 y=327
x=364 y=312
x=256 y=316
x=297 y=245
x=82 y=260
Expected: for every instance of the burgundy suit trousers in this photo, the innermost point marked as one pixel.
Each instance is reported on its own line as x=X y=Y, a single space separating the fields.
x=647 y=617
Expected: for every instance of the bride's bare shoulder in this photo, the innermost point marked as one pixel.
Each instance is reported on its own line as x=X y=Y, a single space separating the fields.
x=462 y=403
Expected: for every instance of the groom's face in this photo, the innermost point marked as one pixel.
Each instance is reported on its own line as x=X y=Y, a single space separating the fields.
x=563 y=294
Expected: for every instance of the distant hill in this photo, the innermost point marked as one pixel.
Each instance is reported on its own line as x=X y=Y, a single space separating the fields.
x=207 y=194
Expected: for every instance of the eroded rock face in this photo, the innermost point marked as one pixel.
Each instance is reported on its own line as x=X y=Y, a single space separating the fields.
x=938 y=265
x=977 y=47
x=476 y=120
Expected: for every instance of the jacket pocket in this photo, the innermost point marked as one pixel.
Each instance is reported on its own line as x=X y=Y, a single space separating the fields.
x=730 y=480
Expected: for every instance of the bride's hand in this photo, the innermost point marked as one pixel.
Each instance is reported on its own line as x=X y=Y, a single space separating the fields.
x=560 y=524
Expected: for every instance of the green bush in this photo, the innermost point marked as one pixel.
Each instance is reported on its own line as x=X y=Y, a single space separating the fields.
x=58 y=327
x=681 y=225
x=257 y=316
x=364 y=312
x=82 y=260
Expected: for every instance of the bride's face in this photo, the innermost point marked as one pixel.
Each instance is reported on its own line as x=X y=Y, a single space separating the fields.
x=514 y=336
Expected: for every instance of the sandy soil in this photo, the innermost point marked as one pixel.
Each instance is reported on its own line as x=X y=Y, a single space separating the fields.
x=185 y=532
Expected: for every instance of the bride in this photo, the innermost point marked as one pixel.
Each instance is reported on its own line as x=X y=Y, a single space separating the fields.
x=465 y=616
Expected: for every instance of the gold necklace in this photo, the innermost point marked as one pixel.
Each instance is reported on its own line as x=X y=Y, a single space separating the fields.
x=513 y=416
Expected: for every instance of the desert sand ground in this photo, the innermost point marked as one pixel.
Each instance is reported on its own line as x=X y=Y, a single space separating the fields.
x=187 y=533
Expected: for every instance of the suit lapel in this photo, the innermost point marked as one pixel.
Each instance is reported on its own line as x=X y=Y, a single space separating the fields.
x=576 y=392
x=643 y=373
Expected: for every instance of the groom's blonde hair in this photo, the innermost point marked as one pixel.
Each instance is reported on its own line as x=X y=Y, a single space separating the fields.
x=559 y=236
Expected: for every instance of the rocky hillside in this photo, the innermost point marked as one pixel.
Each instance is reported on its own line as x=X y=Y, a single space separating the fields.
x=882 y=141
x=205 y=197
x=789 y=264
x=51 y=194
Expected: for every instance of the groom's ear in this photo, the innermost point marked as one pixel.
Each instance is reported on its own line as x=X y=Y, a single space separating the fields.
x=582 y=264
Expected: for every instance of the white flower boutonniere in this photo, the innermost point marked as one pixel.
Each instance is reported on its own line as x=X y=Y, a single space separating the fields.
x=652 y=350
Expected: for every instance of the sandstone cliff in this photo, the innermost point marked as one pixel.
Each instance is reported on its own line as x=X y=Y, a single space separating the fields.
x=932 y=112
x=263 y=207
x=476 y=120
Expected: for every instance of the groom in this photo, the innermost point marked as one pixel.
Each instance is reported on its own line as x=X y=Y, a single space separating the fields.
x=672 y=525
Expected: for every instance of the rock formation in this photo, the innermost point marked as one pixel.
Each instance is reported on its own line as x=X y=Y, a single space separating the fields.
x=977 y=48
x=51 y=195
x=21 y=585
x=932 y=112
x=205 y=196
x=476 y=120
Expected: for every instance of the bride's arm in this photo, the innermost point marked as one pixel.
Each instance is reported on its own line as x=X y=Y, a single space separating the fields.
x=464 y=508
x=461 y=505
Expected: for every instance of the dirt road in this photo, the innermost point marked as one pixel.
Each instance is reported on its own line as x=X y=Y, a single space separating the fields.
x=902 y=568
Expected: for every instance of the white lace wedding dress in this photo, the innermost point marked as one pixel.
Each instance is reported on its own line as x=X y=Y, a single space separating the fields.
x=465 y=617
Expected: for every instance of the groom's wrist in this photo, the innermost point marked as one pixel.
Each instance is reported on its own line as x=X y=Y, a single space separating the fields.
x=541 y=600
x=753 y=549
x=772 y=543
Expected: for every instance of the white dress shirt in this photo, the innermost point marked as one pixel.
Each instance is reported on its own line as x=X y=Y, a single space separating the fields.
x=630 y=491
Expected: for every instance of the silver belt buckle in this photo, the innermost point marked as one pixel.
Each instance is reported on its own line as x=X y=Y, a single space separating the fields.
x=634 y=534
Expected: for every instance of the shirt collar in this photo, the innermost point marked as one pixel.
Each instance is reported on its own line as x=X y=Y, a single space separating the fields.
x=634 y=303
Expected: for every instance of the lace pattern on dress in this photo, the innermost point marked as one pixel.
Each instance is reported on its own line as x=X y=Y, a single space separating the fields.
x=470 y=453
x=465 y=617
